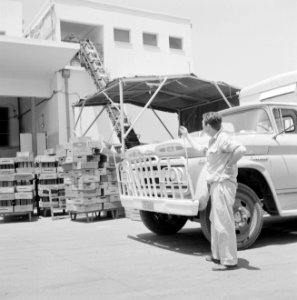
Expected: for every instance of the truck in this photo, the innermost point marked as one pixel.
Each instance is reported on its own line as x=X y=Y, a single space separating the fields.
x=165 y=181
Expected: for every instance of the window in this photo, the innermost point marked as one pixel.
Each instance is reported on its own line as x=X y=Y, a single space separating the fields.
x=4 y=128
x=121 y=35
x=150 y=39
x=285 y=120
x=248 y=120
x=175 y=43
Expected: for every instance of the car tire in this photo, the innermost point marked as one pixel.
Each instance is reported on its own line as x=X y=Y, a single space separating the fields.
x=248 y=217
x=162 y=224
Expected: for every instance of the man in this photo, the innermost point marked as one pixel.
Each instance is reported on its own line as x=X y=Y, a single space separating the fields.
x=222 y=156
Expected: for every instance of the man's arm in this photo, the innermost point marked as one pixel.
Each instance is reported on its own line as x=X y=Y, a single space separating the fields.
x=184 y=133
x=237 y=154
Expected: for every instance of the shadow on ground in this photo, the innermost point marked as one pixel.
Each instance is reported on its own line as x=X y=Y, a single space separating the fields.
x=277 y=231
x=192 y=241
x=187 y=241
x=17 y=218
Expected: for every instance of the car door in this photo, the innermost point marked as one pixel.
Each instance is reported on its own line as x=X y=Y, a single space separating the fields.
x=283 y=155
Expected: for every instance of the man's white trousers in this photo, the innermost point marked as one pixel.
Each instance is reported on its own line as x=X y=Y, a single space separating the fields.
x=223 y=237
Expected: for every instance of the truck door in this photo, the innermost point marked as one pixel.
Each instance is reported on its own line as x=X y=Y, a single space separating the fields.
x=284 y=151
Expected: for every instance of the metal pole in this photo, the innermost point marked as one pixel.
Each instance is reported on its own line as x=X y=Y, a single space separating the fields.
x=163 y=124
x=222 y=94
x=80 y=113
x=145 y=107
x=94 y=121
x=33 y=122
x=66 y=76
x=123 y=136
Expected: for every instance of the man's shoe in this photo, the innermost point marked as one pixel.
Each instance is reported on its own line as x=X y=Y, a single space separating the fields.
x=211 y=259
x=224 y=267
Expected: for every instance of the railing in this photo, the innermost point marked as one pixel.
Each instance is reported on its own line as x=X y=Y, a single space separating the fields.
x=45 y=26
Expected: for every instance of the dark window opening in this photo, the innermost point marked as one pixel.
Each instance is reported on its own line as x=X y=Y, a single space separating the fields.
x=150 y=39
x=175 y=43
x=4 y=127
x=121 y=35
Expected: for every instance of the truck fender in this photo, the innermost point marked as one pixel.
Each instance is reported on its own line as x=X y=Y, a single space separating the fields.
x=246 y=163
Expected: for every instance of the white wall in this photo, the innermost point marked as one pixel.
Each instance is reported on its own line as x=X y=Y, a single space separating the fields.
x=132 y=59
x=11 y=13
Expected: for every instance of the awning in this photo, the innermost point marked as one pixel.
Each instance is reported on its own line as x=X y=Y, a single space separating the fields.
x=179 y=92
x=23 y=58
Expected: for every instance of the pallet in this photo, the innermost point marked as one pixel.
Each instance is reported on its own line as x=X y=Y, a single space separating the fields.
x=21 y=213
x=115 y=213
x=48 y=211
x=94 y=213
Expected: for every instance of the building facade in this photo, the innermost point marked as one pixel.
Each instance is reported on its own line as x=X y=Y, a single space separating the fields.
x=42 y=76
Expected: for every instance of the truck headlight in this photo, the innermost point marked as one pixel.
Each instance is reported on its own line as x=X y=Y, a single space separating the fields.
x=173 y=174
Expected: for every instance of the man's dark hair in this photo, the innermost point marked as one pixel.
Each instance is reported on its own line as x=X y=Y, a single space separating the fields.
x=214 y=119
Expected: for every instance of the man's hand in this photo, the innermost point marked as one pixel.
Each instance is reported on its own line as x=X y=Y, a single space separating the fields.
x=183 y=131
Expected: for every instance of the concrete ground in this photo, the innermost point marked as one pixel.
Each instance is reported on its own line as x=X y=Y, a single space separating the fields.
x=121 y=259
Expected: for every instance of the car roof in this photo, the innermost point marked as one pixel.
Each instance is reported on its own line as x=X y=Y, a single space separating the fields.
x=259 y=104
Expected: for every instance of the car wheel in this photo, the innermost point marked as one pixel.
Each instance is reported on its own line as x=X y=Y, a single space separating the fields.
x=162 y=224
x=248 y=217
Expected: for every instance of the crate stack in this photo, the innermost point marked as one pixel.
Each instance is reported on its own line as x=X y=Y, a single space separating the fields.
x=24 y=182
x=7 y=185
x=109 y=184
x=82 y=179
x=51 y=190
x=91 y=179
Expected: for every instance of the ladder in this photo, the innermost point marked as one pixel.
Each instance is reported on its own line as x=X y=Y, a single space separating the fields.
x=94 y=66
x=114 y=114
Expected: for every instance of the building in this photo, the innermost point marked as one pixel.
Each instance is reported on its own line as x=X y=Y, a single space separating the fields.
x=42 y=77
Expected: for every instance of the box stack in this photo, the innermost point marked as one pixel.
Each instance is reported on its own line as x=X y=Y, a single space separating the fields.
x=25 y=182
x=50 y=184
x=7 y=185
x=81 y=169
x=109 y=184
x=91 y=178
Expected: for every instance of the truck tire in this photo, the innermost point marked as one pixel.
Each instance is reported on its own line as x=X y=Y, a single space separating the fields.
x=162 y=224
x=248 y=216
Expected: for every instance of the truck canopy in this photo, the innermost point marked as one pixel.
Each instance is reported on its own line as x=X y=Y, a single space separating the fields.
x=186 y=94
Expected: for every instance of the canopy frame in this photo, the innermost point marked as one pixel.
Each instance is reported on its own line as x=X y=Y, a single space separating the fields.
x=134 y=91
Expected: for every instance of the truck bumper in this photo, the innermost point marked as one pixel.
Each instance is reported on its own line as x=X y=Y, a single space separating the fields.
x=184 y=207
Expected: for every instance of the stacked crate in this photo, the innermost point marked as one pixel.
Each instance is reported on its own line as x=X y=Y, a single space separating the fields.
x=82 y=179
x=7 y=185
x=50 y=183
x=109 y=184
x=90 y=178
x=25 y=182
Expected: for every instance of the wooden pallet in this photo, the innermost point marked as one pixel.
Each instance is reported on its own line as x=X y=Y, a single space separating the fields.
x=90 y=215
x=115 y=213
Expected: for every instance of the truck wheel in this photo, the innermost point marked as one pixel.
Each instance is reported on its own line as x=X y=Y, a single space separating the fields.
x=162 y=224
x=248 y=217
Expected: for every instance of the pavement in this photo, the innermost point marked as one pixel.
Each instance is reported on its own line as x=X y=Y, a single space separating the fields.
x=121 y=259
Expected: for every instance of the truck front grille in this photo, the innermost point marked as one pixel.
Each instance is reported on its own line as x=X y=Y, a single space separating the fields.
x=153 y=177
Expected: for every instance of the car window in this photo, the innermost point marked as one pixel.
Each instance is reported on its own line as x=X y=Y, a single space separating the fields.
x=250 y=120
x=285 y=119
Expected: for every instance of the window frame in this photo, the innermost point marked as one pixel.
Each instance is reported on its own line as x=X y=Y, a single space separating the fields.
x=150 y=34
x=122 y=30
x=176 y=38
